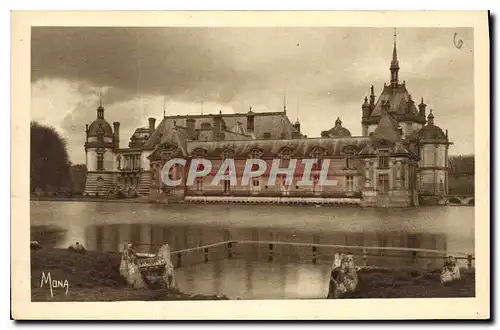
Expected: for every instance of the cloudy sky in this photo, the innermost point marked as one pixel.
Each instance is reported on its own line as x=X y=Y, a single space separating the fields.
x=325 y=73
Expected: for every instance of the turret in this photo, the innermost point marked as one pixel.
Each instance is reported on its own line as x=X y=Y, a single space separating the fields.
x=100 y=112
x=430 y=119
x=372 y=98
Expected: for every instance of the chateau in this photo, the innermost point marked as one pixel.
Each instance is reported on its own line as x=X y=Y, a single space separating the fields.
x=401 y=158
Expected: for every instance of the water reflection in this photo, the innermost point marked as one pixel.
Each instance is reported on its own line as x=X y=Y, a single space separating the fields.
x=249 y=274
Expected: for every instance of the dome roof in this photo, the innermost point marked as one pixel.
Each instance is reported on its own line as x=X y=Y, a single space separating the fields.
x=431 y=131
x=100 y=125
x=338 y=130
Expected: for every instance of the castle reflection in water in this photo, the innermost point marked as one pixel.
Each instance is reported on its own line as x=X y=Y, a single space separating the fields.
x=148 y=238
x=249 y=273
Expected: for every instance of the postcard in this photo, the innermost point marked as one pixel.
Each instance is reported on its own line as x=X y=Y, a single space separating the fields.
x=250 y=165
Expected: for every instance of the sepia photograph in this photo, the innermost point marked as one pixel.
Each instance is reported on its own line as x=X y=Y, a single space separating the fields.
x=249 y=163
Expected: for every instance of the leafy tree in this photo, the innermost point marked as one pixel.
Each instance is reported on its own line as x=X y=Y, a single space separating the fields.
x=461 y=175
x=49 y=168
x=78 y=178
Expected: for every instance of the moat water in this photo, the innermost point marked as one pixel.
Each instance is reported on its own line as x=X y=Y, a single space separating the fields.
x=106 y=226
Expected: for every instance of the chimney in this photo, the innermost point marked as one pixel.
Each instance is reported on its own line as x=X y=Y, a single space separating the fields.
x=421 y=108
x=250 y=120
x=217 y=128
x=116 y=130
x=151 y=125
x=190 y=122
x=296 y=135
x=409 y=104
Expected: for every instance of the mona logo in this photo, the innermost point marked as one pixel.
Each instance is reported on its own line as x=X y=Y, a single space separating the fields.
x=53 y=284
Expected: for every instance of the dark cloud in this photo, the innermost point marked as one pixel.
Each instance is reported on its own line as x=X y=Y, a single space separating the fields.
x=327 y=70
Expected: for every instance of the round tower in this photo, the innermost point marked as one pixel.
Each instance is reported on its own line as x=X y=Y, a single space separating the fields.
x=433 y=165
x=100 y=143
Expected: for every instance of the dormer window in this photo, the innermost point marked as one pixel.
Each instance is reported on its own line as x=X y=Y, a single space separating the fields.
x=317 y=154
x=285 y=154
x=227 y=153
x=255 y=154
x=349 y=154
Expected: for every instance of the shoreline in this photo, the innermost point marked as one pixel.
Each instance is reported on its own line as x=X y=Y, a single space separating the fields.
x=177 y=201
x=94 y=276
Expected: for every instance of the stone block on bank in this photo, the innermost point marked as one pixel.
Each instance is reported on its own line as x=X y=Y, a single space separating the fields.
x=77 y=247
x=343 y=277
x=144 y=272
x=450 y=271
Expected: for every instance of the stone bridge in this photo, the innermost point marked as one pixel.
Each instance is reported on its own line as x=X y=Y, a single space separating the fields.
x=460 y=199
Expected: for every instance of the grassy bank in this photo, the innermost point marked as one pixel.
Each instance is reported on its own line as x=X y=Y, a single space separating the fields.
x=95 y=277
x=91 y=277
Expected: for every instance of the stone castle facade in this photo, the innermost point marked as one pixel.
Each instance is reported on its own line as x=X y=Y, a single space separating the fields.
x=400 y=158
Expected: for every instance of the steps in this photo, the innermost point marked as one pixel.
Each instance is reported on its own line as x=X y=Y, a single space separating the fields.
x=144 y=184
x=99 y=183
x=103 y=183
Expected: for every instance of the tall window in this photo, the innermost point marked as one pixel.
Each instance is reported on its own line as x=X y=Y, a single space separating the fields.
x=349 y=183
x=199 y=184
x=100 y=162
x=227 y=186
x=255 y=182
x=383 y=183
x=349 y=156
x=318 y=155
x=403 y=175
x=285 y=155
x=316 y=184
x=383 y=159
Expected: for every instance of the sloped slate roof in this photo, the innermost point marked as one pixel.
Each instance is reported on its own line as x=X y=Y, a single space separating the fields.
x=387 y=128
x=276 y=124
x=300 y=147
x=398 y=98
